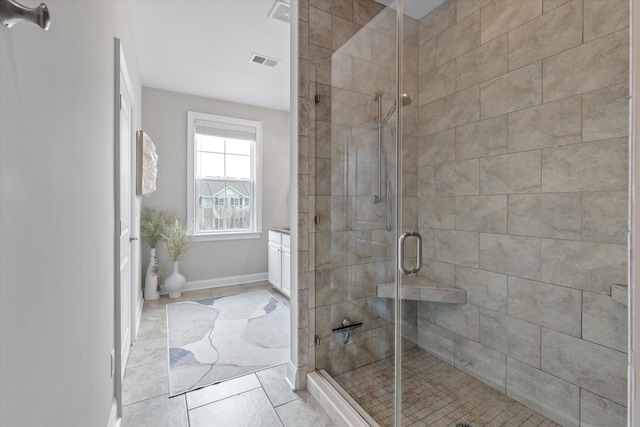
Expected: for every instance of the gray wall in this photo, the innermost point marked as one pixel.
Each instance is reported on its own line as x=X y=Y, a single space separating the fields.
x=523 y=170
x=165 y=120
x=57 y=209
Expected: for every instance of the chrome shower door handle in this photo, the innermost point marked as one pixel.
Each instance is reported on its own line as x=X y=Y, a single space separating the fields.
x=401 y=241
x=12 y=12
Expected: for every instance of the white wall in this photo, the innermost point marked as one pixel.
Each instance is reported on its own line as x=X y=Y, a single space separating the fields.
x=165 y=119
x=57 y=214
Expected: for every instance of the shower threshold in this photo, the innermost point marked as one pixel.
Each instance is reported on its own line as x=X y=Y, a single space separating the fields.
x=434 y=393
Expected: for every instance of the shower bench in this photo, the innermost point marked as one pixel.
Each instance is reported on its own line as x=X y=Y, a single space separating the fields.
x=421 y=289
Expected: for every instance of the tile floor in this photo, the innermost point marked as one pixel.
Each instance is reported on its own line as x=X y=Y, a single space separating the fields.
x=434 y=394
x=258 y=399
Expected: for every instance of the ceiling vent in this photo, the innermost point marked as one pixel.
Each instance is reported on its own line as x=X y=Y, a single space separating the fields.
x=264 y=60
x=280 y=11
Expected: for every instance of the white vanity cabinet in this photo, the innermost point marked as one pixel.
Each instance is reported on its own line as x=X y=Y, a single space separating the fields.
x=279 y=261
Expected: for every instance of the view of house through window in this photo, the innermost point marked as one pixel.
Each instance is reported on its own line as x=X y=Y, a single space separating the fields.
x=224 y=173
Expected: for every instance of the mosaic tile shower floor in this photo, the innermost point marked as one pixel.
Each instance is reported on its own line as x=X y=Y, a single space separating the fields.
x=434 y=394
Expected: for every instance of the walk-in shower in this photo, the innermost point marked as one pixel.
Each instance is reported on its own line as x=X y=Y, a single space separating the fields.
x=510 y=159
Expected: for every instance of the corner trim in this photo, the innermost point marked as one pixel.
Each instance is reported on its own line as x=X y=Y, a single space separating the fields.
x=296 y=378
x=114 y=420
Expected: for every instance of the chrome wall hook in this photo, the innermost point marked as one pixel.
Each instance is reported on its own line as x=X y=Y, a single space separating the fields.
x=12 y=13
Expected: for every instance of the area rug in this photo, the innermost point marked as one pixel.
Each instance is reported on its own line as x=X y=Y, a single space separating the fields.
x=215 y=339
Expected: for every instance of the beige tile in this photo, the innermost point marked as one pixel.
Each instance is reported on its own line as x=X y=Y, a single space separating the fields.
x=341 y=8
x=551 y=33
x=482 y=139
x=605 y=217
x=510 y=336
x=602 y=17
x=481 y=213
x=436 y=340
x=410 y=28
x=513 y=255
x=593 y=267
x=510 y=173
x=592 y=367
x=481 y=362
x=513 y=91
x=605 y=113
x=547 y=125
x=427 y=57
x=438 y=20
x=458 y=108
x=605 y=321
x=145 y=381
x=273 y=382
x=369 y=78
x=437 y=83
x=550 y=396
x=461 y=319
x=426 y=181
x=364 y=11
x=304 y=412
x=427 y=119
x=457 y=179
x=597 y=411
x=383 y=49
x=437 y=271
x=437 y=212
x=593 y=166
x=436 y=148
x=485 y=289
x=501 y=16
x=222 y=390
x=349 y=108
x=458 y=39
x=457 y=247
x=600 y=63
x=157 y=411
x=556 y=215
x=467 y=7
x=248 y=408
x=551 y=306
x=319 y=28
x=549 y=5
x=342 y=30
x=360 y=45
x=482 y=64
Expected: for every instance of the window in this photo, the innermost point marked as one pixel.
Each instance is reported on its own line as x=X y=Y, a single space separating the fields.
x=224 y=188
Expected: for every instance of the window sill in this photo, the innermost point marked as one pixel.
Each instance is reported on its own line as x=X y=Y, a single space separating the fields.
x=226 y=236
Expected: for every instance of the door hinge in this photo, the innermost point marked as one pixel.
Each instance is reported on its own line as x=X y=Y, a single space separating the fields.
x=316 y=219
x=316 y=98
x=316 y=340
x=112 y=360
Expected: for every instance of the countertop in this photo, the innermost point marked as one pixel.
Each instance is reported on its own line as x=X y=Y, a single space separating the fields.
x=280 y=229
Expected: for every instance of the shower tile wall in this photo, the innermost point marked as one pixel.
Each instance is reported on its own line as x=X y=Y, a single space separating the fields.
x=351 y=55
x=522 y=194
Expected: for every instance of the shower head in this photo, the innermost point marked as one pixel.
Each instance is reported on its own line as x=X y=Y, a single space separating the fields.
x=406 y=100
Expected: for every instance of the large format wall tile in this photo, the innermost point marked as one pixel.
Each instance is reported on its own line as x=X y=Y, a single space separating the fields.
x=457 y=179
x=461 y=319
x=484 y=288
x=546 y=35
x=436 y=340
x=554 y=307
x=604 y=321
x=467 y=7
x=513 y=255
x=437 y=83
x=510 y=336
x=457 y=247
x=593 y=267
x=593 y=166
x=548 y=125
x=437 y=212
x=604 y=16
x=458 y=108
x=481 y=139
x=436 y=148
x=605 y=113
x=605 y=217
x=594 y=65
x=481 y=213
x=596 y=411
x=481 y=362
x=434 y=23
x=513 y=91
x=510 y=173
x=458 y=39
x=544 y=393
x=500 y=16
x=557 y=215
x=481 y=64
x=598 y=369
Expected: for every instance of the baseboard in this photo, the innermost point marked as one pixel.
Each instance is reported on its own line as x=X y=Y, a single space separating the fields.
x=114 y=420
x=221 y=281
x=138 y=317
x=296 y=378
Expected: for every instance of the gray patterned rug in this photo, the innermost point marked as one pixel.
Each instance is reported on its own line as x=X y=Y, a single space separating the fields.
x=214 y=339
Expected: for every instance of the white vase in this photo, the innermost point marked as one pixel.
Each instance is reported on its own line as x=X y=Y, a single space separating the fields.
x=175 y=282
x=151 y=280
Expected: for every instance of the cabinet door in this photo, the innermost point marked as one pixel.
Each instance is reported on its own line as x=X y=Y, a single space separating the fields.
x=286 y=273
x=274 y=262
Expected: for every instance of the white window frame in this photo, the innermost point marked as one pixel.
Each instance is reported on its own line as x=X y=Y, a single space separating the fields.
x=256 y=230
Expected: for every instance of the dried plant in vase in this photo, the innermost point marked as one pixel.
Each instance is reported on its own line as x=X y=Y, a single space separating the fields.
x=176 y=239
x=152 y=223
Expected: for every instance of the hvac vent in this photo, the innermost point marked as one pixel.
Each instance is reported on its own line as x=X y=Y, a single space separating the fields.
x=264 y=60
x=280 y=11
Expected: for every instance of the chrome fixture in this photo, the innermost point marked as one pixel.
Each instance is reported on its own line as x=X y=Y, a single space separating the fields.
x=346 y=329
x=11 y=13
x=401 y=241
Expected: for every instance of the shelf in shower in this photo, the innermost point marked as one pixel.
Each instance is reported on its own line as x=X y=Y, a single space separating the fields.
x=420 y=289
